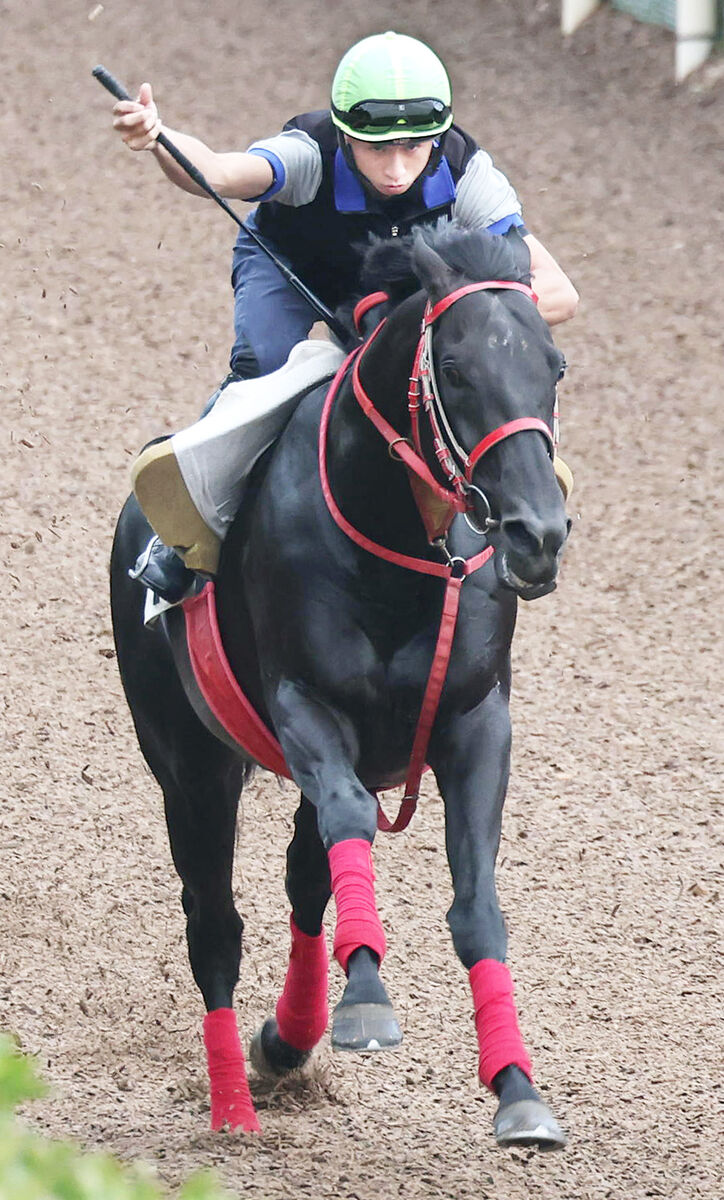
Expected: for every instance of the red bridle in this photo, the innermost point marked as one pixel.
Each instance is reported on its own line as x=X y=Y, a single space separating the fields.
x=455 y=570
x=455 y=462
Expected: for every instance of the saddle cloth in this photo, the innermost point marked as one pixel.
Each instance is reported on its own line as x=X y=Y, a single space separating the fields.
x=190 y=486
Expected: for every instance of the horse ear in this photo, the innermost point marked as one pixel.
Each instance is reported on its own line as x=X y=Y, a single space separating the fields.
x=434 y=274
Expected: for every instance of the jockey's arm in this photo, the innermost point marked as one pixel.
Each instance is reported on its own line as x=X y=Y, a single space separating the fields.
x=236 y=175
x=557 y=297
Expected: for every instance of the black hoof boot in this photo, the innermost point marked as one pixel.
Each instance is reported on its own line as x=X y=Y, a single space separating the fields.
x=161 y=570
x=272 y=1057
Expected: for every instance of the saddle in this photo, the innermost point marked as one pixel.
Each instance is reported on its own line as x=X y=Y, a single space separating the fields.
x=190 y=486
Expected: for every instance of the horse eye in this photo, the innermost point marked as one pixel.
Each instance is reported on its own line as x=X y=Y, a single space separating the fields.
x=451 y=374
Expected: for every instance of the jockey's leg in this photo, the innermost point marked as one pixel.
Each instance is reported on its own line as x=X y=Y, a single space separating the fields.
x=270 y=318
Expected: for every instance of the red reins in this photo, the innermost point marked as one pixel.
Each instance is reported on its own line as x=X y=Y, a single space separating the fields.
x=455 y=570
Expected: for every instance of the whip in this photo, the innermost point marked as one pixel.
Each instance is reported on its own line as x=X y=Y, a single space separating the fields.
x=117 y=89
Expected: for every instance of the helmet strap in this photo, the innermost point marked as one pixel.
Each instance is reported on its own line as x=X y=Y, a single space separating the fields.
x=347 y=152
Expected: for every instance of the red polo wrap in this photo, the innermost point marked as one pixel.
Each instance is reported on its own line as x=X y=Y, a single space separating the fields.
x=496 y=1021
x=358 y=922
x=302 y=1012
x=231 y=1102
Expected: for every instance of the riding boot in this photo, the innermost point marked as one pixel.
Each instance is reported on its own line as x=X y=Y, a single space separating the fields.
x=564 y=476
x=160 y=569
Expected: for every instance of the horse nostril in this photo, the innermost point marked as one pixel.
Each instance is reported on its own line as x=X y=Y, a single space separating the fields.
x=522 y=539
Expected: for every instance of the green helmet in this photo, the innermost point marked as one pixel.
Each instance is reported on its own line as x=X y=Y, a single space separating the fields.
x=391 y=86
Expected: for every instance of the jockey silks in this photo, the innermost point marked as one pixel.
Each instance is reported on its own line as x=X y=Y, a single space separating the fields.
x=325 y=238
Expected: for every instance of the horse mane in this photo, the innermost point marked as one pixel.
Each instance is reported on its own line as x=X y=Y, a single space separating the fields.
x=475 y=254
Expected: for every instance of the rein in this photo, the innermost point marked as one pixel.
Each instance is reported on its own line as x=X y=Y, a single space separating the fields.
x=456 y=496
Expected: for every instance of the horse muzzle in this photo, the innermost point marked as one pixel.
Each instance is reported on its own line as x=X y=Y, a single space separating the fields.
x=529 y=555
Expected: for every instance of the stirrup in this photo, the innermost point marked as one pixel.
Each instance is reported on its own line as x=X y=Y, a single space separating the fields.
x=160 y=569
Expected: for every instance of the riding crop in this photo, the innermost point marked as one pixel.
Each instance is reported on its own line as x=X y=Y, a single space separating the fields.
x=347 y=339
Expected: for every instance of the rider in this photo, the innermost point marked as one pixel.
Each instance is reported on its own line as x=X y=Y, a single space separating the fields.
x=385 y=158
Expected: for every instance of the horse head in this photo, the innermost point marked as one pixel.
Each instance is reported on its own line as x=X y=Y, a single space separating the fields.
x=493 y=369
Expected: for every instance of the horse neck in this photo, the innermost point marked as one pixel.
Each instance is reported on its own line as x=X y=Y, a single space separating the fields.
x=372 y=488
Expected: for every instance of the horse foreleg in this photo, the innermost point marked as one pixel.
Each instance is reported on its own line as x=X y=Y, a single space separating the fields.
x=364 y=1018
x=285 y=1041
x=320 y=748
x=471 y=764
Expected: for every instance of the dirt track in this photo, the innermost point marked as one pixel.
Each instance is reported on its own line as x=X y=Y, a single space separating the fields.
x=116 y=321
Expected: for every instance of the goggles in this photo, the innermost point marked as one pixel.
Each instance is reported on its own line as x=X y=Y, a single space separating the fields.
x=380 y=116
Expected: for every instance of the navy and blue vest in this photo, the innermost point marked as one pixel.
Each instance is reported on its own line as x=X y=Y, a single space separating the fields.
x=325 y=239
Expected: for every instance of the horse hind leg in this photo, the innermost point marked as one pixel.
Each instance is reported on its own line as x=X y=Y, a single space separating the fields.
x=201 y=819
x=201 y=780
x=285 y=1041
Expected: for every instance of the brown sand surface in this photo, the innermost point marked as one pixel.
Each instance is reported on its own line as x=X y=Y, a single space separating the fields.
x=116 y=321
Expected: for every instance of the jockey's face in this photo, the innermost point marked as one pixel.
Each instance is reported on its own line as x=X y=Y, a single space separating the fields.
x=391 y=167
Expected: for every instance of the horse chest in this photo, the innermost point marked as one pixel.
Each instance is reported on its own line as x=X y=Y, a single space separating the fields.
x=402 y=647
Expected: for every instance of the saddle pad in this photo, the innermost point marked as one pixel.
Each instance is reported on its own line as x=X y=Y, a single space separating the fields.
x=216 y=454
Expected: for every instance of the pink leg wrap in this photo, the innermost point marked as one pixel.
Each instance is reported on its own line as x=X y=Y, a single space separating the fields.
x=496 y=1021
x=358 y=923
x=231 y=1102
x=302 y=1007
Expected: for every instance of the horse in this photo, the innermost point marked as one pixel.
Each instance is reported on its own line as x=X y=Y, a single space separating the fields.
x=366 y=599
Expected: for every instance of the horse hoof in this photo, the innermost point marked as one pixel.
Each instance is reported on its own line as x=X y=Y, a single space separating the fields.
x=272 y=1057
x=364 y=1027
x=528 y=1123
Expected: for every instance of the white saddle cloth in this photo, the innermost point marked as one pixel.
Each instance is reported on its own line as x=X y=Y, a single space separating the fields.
x=216 y=454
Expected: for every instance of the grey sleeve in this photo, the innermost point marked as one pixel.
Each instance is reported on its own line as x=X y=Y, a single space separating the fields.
x=484 y=195
x=301 y=161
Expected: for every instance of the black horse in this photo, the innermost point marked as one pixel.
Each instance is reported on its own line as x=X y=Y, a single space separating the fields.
x=351 y=569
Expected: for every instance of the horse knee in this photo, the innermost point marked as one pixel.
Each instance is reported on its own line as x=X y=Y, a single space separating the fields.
x=478 y=931
x=349 y=815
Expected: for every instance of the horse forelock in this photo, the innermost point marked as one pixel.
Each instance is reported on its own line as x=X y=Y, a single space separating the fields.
x=387 y=267
x=476 y=254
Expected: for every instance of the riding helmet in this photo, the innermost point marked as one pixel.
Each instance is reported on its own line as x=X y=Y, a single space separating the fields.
x=390 y=86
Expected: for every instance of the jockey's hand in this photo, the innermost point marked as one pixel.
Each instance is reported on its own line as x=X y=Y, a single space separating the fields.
x=138 y=121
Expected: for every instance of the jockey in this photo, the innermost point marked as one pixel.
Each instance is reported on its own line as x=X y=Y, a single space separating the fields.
x=384 y=158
